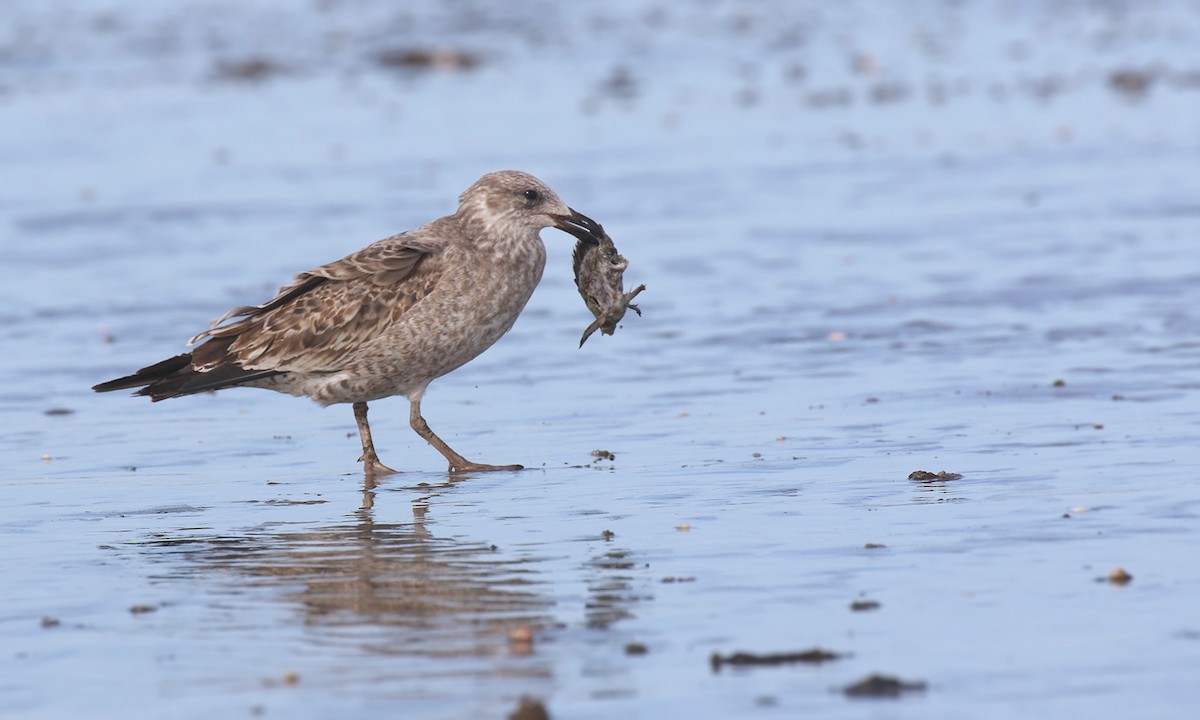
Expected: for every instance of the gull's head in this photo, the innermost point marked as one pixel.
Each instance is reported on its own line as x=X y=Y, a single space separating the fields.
x=517 y=200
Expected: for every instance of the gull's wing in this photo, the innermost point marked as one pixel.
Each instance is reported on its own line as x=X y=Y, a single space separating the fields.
x=315 y=322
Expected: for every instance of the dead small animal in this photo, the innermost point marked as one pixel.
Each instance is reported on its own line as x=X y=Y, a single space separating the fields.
x=598 y=275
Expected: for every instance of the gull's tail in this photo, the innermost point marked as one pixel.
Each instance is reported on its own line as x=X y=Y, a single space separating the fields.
x=176 y=376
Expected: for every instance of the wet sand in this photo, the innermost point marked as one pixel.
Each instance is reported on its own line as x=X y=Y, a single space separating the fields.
x=959 y=240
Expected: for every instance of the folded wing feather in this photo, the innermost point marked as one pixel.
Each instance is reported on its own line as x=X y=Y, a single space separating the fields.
x=313 y=322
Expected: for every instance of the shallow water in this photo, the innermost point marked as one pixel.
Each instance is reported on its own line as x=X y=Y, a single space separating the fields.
x=872 y=244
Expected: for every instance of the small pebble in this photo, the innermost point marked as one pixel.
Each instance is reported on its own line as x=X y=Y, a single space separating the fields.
x=520 y=640
x=1118 y=576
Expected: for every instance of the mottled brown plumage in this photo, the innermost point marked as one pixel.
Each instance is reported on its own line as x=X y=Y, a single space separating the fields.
x=388 y=319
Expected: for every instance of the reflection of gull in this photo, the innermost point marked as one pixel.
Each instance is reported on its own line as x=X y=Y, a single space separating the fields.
x=416 y=594
x=388 y=319
x=404 y=611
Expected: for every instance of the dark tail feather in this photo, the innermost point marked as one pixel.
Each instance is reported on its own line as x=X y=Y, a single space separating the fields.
x=175 y=377
x=147 y=375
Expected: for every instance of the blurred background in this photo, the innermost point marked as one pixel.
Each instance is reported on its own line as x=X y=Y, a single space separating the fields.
x=156 y=149
x=876 y=238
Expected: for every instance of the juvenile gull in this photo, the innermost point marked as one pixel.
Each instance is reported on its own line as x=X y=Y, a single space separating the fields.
x=388 y=319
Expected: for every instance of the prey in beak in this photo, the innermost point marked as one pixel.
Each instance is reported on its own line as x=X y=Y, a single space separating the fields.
x=599 y=269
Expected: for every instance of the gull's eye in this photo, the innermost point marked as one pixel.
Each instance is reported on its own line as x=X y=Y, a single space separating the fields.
x=532 y=195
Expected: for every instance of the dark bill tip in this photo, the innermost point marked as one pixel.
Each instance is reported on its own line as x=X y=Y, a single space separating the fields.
x=580 y=225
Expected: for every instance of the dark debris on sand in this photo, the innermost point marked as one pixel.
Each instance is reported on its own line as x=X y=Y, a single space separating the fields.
x=745 y=659
x=427 y=59
x=926 y=476
x=529 y=708
x=250 y=69
x=882 y=686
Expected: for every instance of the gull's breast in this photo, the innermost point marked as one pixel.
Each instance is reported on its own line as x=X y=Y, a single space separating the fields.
x=475 y=301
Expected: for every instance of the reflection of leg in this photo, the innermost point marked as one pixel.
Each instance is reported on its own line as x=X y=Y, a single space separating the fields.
x=368 y=492
x=370 y=460
x=458 y=463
